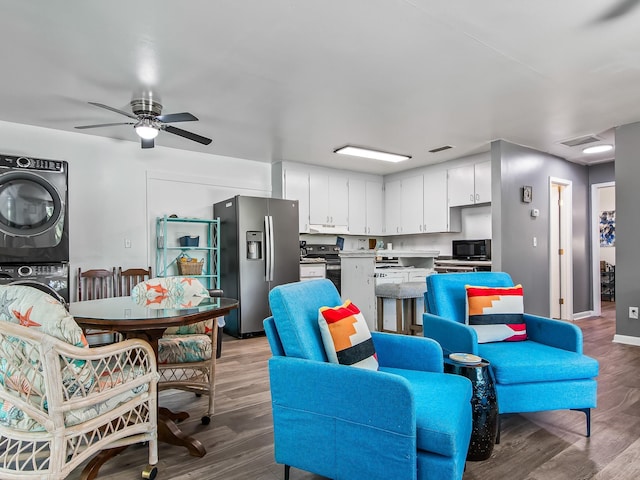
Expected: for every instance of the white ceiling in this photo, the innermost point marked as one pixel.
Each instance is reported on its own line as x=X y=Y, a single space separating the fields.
x=295 y=79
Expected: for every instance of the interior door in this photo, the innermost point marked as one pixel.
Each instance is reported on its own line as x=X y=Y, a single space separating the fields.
x=560 y=251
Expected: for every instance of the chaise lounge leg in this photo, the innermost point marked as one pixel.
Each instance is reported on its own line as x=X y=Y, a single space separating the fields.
x=287 y=469
x=587 y=412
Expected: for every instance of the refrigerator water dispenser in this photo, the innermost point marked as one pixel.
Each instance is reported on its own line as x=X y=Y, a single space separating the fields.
x=254 y=245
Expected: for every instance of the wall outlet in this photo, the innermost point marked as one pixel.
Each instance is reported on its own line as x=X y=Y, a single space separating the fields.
x=633 y=312
x=127 y=243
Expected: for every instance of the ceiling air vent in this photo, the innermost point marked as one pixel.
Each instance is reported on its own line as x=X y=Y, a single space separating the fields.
x=576 y=142
x=440 y=149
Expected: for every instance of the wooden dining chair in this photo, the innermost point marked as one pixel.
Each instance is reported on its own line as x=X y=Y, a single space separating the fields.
x=96 y=283
x=93 y=285
x=127 y=279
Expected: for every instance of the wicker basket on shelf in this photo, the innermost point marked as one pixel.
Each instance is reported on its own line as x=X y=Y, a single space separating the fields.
x=190 y=267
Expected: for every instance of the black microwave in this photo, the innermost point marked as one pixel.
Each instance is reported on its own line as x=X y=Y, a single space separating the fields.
x=471 y=249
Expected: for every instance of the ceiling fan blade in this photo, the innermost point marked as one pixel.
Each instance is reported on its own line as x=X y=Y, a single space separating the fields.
x=104 y=125
x=621 y=8
x=147 y=142
x=121 y=112
x=183 y=133
x=177 y=117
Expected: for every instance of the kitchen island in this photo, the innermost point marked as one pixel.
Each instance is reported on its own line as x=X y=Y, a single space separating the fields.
x=359 y=275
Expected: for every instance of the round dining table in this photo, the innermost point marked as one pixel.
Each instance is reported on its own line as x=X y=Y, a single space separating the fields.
x=148 y=322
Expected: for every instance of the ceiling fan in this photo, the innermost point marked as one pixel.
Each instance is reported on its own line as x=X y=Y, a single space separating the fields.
x=149 y=121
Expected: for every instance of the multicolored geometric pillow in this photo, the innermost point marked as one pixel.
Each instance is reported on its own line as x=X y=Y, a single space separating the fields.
x=495 y=313
x=346 y=336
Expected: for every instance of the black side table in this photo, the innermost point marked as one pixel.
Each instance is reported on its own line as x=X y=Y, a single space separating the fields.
x=484 y=404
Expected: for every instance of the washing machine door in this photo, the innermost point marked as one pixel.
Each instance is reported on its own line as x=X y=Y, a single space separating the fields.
x=29 y=207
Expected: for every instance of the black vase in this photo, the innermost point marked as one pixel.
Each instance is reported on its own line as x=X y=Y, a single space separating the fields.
x=484 y=405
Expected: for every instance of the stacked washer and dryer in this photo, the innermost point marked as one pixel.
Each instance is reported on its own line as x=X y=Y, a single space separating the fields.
x=34 y=223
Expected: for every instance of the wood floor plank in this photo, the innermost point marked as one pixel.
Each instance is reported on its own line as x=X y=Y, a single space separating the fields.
x=539 y=445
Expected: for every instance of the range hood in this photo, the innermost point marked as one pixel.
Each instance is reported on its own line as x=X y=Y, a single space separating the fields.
x=329 y=229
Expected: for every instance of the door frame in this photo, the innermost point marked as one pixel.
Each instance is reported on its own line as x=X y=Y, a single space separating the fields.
x=566 y=233
x=595 y=245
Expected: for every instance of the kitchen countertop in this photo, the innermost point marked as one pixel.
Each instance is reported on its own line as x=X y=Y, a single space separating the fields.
x=312 y=260
x=390 y=253
x=471 y=263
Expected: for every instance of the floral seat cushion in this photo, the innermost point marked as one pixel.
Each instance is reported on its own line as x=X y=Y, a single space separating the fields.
x=184 y=348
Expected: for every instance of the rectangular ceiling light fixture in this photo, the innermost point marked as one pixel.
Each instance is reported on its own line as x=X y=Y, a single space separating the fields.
x=374 y=154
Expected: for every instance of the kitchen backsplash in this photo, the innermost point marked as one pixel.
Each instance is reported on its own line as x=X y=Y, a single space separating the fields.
x=476 y=223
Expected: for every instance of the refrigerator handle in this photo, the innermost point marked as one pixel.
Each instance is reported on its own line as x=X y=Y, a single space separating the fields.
x=272 y=250
x=267 y=248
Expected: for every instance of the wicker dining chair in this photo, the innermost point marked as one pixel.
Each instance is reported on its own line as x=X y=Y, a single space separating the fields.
x=63 y=402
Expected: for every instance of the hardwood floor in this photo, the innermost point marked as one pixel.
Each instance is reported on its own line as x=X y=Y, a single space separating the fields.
x=542 y=445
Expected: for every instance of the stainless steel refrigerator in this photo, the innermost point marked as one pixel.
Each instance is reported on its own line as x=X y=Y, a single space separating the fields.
x=259 y=249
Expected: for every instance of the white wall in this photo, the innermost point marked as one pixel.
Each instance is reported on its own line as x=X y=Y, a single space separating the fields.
x=607 y=203
x=116 y=189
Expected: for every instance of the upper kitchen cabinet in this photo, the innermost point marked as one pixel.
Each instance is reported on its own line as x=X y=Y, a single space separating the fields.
x=292 y=183
x=437 y=216
x=392 y=207
x=366 y=205
x=328 y=200
x=403 y=206
x=412 y=201
x=469 y=184
x=375 y=207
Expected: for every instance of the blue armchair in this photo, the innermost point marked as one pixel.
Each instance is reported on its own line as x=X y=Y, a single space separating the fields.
x=548 y=371
x=408 y=420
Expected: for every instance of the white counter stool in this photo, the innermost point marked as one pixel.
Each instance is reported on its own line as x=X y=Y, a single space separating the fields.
x=405 y=294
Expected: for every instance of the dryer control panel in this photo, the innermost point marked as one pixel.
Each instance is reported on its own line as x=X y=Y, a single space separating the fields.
x=9 y=161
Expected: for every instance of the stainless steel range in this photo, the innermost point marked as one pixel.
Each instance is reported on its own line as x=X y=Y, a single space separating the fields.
x=330 y=253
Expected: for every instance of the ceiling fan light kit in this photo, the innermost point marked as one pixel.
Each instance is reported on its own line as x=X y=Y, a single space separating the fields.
x=146 y=129
x=373 y=154
x=149 y=121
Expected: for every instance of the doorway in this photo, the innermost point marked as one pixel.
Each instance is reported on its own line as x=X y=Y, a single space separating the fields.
x=560 y=249
x=602 y=249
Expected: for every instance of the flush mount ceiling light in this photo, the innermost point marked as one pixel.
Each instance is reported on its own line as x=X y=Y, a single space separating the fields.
x=598 y=149
x=374 y=154
x=146 y=129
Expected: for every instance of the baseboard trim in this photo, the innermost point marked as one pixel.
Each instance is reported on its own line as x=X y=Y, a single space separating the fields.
x=581 y=315
x=627 y=340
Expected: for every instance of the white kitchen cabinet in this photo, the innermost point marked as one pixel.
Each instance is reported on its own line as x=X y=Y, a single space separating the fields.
x=312 y=271
x=328 y=199
x=374 y=207
x=482 y=177
x=296 y=187
x=436 y=206
x=357 y=207
x=412 y=204
x=403 y=206
x=469 y=184
x=392 y=207
x=366 y=205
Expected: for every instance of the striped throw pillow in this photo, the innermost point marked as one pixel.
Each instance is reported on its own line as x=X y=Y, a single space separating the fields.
x=495 y=313
x=346 y=336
